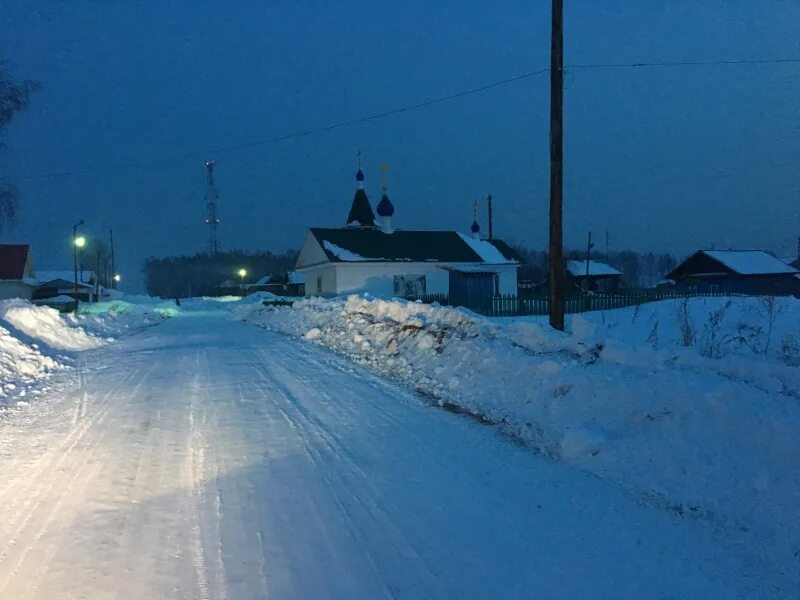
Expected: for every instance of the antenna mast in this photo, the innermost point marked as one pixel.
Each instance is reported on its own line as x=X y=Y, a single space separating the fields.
x=211 y=210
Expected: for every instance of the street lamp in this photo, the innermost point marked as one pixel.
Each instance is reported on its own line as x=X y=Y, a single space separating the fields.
x=242 y=274
x=78 y=242
x=117 y=278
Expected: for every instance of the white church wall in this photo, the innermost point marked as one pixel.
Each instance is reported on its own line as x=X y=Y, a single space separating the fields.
x=320 y=280
x=378 y=279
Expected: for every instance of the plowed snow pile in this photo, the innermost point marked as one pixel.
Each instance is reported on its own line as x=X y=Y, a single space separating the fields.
x=709 y=431
x=37 y=340
x=20 y=365
x=48 y=325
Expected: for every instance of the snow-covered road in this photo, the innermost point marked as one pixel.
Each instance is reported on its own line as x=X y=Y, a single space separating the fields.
x=207 y=458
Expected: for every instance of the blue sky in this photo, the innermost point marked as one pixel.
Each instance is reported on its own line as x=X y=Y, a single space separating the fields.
x=668 y=159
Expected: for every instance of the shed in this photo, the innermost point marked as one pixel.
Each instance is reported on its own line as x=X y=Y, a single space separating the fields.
x=598 y=277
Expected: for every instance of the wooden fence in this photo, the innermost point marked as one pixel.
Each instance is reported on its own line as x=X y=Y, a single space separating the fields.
x=514 y=306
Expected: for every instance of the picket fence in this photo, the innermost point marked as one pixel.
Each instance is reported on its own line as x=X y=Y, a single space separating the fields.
x=514 y=306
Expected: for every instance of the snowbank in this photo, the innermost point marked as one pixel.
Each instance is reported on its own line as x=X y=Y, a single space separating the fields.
x=47 y=325
x=20 y=365
x=716 y=439
x=34 y=339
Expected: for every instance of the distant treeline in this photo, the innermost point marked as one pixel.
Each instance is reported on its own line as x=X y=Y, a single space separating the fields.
x=639 y=269
x=202 y=274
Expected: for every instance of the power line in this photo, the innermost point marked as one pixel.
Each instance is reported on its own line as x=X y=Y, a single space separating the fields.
x=685 y=63
x=388 y=113
x=295 y=135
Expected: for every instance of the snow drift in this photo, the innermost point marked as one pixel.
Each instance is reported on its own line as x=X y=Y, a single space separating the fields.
x=713 y=436
x=37 y=340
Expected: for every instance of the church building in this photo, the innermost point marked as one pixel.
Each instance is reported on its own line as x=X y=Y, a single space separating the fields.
x=371 y=255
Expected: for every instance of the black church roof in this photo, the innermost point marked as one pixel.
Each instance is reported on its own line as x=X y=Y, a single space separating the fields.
x=369 y=244
x=361 y=211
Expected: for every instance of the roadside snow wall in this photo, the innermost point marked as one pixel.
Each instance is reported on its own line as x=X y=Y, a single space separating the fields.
x=35 y=341
x=716 y=439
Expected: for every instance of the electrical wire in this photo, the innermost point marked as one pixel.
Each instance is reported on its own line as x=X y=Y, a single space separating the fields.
x=392 y=112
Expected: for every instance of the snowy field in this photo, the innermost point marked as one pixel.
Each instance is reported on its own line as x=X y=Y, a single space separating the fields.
x=151 y=450
x=692 y=407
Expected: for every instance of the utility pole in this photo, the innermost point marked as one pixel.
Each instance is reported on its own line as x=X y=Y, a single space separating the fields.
x=113 y=263
x=556 y=166
x=589 y=246
x=97 y=277
x=489 y=201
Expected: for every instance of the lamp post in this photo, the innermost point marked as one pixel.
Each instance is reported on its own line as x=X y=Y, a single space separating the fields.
x=117 y=278
x=78 y=241
x=242 y=274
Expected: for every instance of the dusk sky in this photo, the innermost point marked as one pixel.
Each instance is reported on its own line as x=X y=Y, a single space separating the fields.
x=666 y=158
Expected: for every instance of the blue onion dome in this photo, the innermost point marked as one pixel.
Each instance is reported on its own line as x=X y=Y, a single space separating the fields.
x=385 y=207
x=475 y=227
x=360 y=175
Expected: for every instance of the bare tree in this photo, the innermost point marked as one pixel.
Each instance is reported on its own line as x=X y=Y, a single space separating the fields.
x=14 y=99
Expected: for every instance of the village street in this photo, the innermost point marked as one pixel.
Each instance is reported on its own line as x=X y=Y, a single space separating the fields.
x=208 y=458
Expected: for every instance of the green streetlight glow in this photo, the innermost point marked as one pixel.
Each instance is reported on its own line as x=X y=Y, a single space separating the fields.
x=242 y=272
x=80 y=241
x=117 y=278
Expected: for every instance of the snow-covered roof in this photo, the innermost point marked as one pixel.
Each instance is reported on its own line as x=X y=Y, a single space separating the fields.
x=750 y=262
x=487 y=251
x=342 y=253
x=290 y=277
x=468 y=269
x=577 y=268
x=47 y=276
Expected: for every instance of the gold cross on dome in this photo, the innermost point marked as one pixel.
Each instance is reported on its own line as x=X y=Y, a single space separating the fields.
x=384 y=178
x=359 y=159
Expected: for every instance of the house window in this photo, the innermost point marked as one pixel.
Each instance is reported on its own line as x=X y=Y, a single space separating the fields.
x=319 y=284
x=408 y=286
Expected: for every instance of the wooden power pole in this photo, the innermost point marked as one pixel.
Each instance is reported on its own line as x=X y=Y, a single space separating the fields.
x=557 y=166
x=113 y=262
x=491 y=230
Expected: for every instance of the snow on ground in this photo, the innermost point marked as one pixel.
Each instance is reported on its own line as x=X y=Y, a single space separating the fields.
x=206 y=458
x=47 y=325
x=38 y=340
x=20 y=365
x=709 y=431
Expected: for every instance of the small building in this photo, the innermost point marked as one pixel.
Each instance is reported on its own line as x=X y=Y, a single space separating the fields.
x=229 y=287
x=598 y=277
x=51 y=284
x=386 y=262
x=290 y=283
x=736 y=272
x=16 y=272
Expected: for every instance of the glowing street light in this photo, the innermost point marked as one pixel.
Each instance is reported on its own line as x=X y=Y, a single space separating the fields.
x=80 y=241
x=242 y=274
x=117 y=278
